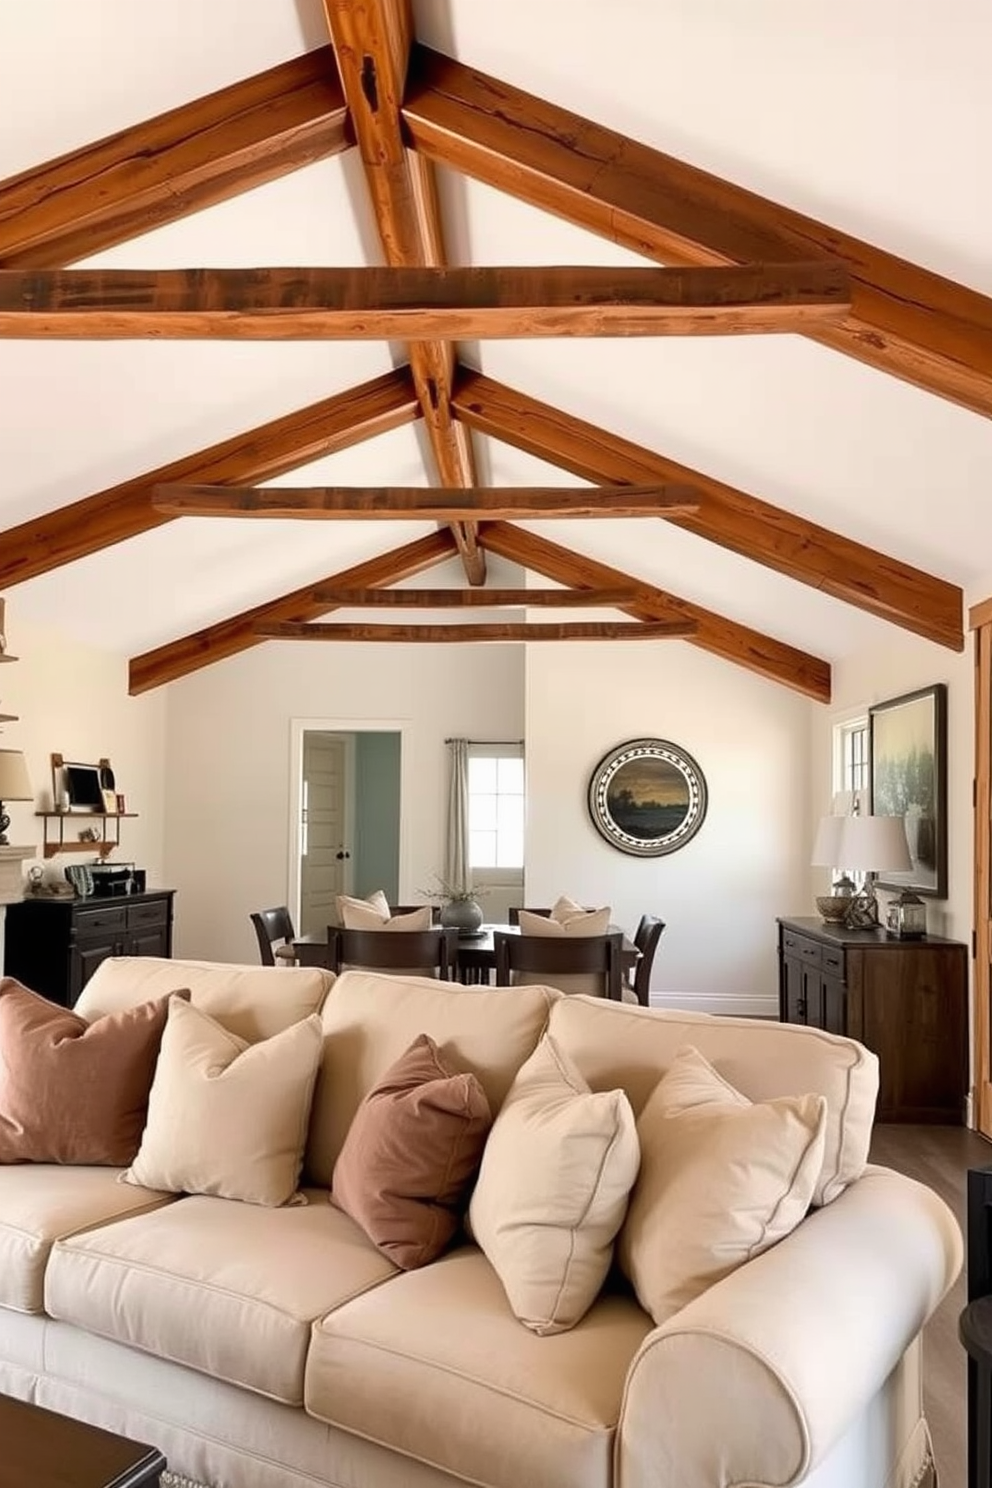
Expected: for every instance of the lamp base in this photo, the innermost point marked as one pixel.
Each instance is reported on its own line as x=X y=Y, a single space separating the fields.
x=862 y=912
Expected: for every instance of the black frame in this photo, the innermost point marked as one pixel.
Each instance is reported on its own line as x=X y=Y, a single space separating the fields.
x=928 y=874
x=631 y=755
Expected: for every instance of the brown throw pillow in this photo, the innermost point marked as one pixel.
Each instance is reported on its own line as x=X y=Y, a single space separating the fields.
x=411 y=1154
x=72 y=1091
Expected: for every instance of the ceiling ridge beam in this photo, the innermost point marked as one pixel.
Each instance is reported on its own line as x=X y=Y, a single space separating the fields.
x=728 y=639
x=522 y=630
x=802 y=550
x=476 y=599
x=176 y=163
x=230 y=637
x=905 y=320
x=372 y=42
x=95 y=522
x=361 y=304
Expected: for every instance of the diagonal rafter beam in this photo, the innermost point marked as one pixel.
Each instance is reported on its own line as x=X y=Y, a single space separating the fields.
x=124 y=511
x=916 y=325
x=802 y=550
x=176 y=163
x=240 y=632
x=372 y=41
x=714 y=633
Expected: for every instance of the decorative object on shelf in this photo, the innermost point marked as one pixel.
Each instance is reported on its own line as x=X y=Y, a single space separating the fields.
x=907 y=750
x=40 y=887
x=647 y=797
x=15 y=785
x=871 y=845
x=906 y=916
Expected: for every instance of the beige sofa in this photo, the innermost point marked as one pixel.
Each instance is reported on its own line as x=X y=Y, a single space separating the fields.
x=277 y=1348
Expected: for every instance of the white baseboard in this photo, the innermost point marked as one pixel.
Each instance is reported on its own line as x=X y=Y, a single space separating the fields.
x=741 y=1005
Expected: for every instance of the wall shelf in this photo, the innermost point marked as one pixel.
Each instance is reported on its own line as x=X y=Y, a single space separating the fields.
x=54 y=845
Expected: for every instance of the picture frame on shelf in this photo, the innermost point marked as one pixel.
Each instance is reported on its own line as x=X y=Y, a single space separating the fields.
x=907 y=754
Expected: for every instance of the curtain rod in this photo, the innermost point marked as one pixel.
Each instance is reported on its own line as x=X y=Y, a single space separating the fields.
x=490 y=742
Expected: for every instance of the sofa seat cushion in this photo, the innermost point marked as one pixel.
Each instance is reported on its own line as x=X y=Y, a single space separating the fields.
x=369 y=1020
x=613 y=1044
x=436 y=1366
x=43 y=1202
x=224 y=1287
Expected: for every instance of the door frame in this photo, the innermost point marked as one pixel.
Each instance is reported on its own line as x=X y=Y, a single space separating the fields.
x=300 y=726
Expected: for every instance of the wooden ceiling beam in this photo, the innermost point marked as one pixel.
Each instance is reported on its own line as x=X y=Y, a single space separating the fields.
x=230 y=637
x=279 y=304
x=455 y=599
x=372 y=42
x=715 y=633
x=588 y=630
x=179 y=162
x=420 y=503
x=83 y=527
x=789 y=544
x=905 y=320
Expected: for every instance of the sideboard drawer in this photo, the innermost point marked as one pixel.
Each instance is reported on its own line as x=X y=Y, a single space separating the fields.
x=799 y=945
x=148 y=916
x=111 y=920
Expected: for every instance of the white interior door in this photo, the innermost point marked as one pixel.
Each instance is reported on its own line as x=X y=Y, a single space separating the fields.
x=325 y=853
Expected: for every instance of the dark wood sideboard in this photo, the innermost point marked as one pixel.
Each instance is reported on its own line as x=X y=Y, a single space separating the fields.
x=54 y=945
x=906 y=1000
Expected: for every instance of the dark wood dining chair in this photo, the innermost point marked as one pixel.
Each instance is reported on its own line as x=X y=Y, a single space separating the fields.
x=646 y=938
x=274 y=928
x=398 y=909
x=548 y=958
x=431 y=952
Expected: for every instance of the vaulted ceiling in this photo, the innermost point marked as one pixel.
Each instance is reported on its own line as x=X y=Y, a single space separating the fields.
x=838 y=468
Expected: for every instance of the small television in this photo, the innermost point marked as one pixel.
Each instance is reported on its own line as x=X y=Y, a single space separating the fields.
x=82 y=787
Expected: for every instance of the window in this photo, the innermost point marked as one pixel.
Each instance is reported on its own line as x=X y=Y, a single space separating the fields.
x=495 y=806
x=851 y=759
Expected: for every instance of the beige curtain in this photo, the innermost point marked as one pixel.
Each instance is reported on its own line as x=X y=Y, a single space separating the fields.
x=456 y=871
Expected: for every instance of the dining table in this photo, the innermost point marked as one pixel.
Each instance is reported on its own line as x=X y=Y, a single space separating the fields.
x=476 y=952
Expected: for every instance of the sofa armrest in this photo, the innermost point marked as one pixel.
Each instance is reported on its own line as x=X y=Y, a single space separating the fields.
x=758 y=1378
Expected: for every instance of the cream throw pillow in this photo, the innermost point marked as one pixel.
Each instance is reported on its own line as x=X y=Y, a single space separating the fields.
x=565 y=909
x=373 y=914
x=721 y=1180
x=227 y=1117
x=552 y=1189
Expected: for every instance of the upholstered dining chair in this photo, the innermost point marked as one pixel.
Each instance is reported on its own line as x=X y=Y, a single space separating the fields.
x=580 y=963
x=646 y=938
x=274 y=928
x=431 y=952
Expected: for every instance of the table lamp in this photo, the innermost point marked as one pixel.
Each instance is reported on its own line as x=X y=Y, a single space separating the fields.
x=871 y=845
x=826 y=853
x=15 y=785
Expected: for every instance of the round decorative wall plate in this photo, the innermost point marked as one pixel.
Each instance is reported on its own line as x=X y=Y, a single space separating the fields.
x=647 y=797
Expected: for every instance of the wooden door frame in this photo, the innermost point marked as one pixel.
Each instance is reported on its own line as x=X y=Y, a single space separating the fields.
x=980 y=623
x=300 y=726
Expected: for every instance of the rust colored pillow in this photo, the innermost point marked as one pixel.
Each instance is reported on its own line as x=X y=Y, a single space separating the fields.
x=72 y=1091
x=411 y=1155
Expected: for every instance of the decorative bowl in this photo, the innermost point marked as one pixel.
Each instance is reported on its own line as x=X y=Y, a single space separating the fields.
x=833 y=907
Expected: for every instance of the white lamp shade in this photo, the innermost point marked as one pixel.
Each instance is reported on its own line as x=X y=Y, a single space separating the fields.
x=826 y=846
x=15 y=782
x=874 y=844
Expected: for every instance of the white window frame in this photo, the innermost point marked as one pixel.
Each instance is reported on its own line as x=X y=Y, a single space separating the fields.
x=851 y=762
x=491 y=875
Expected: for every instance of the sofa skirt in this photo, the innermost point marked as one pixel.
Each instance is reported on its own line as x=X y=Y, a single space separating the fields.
x=224 y=1437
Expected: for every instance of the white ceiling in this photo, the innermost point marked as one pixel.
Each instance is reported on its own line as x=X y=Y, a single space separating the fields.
x=877 y=119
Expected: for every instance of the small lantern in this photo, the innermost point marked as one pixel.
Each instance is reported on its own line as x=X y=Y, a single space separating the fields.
x=907 y=917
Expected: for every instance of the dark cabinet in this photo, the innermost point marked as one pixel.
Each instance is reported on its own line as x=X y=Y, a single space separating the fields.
x=55 y=945
x=906 y=1000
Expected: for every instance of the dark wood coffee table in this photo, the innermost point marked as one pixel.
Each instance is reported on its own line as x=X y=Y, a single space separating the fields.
x=39 y=1449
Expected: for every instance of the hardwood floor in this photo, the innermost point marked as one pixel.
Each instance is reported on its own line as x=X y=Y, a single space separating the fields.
x=940 y=1157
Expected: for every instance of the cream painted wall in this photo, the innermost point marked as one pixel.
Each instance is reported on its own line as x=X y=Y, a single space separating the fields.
x=228 y=769
x=721 y=893
x=72 y=699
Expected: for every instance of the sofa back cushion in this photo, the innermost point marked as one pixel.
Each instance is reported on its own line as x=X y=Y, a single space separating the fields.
x=253 y=1002
x=369 y=1020
x=615 y=1044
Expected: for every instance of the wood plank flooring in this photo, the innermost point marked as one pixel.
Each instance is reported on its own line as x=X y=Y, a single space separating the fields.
x=940 y=1157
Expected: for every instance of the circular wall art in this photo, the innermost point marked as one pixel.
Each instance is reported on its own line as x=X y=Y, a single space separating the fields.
x=647 y=797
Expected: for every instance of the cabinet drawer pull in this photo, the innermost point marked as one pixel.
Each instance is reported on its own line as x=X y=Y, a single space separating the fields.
x=833 y=961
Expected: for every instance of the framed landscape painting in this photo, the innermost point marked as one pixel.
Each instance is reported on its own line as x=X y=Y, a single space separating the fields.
x=907 y=749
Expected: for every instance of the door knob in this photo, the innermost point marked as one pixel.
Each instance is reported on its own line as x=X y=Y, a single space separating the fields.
x=342 y=855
